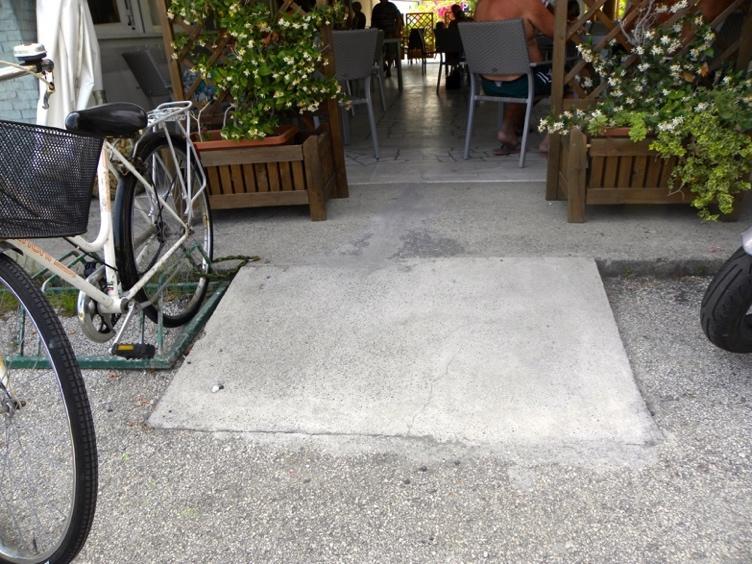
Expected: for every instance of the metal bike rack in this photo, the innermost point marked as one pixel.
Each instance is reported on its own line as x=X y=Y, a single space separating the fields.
x=168 y=352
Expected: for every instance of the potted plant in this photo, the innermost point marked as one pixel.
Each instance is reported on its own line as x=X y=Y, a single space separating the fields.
x=264 y=70
x=687 y=128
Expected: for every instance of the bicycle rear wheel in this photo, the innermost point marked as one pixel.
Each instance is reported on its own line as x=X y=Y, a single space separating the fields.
x=48 y=458
x=145 y=229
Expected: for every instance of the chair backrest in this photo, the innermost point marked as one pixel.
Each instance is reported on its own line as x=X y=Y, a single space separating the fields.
x=147 y=73
x=438 y=39
x=495 y=47
x=353 y=53
x=448 y=40
x=415 y=39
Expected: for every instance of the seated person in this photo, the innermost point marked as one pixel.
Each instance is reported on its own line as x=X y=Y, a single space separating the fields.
x=536 y=18
x=387 y=17
x=457 y=16
x=358 y=17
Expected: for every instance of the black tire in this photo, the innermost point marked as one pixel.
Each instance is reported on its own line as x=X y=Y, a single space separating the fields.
x=725 y=308
x=47 y=444
x=144 y=230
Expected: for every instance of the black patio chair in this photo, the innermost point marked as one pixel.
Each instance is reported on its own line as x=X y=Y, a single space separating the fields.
x=449 y=48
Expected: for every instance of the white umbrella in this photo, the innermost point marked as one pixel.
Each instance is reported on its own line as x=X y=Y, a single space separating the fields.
x=66 y=30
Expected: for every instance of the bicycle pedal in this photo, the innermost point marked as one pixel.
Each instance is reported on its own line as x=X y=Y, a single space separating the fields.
x=134 y=350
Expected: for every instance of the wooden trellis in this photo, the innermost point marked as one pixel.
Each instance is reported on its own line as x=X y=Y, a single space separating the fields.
x=424 y=21
x=180 y=62
x=568 y=177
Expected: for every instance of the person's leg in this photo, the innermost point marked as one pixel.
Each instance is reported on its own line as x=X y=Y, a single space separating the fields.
x=514 y=115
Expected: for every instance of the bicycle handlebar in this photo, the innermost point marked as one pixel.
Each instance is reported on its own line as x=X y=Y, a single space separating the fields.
x=38 y=66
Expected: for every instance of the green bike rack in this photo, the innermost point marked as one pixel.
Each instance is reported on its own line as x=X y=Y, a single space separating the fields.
x=168 y=353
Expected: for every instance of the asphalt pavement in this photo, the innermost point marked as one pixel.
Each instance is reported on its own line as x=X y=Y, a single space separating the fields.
x=189 y=496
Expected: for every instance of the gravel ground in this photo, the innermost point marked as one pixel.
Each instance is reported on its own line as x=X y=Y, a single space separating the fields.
x=169 y=496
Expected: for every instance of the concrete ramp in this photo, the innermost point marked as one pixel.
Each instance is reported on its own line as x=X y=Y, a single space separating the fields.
x=479 y=351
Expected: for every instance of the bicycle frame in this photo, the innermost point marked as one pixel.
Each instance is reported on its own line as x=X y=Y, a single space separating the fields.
x=112 y=301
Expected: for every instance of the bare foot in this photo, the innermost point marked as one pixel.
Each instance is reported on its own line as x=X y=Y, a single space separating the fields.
x=543 y=147
x=506 y=138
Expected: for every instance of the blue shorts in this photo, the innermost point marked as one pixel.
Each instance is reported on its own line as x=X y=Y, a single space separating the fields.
x=518 y=88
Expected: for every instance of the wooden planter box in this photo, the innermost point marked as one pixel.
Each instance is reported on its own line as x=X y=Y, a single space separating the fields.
x=613 y=170
x=286 y=175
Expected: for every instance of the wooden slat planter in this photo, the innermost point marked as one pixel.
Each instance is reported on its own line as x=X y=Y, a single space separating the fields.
x=613 y=171
x=286 y=175
x=308 y=173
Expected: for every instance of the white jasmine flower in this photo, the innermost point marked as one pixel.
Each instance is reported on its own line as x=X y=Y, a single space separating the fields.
x=678 y=6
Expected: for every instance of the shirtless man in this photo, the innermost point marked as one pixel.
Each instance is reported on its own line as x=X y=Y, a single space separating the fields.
x=536 y=18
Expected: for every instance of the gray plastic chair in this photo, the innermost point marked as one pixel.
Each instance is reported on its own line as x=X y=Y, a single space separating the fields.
x=497 y=48
x=353 y=59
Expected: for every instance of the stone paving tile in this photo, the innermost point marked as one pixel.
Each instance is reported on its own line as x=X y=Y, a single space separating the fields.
x=422 y=137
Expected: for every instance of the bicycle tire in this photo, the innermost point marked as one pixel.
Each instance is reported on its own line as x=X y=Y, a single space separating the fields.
x=31 y=398
x=188 y=268
x=724 y=313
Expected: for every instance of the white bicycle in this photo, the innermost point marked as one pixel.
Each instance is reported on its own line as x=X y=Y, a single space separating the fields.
x=152 y=253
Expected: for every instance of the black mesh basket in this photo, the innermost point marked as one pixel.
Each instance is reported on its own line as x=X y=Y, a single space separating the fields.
x=46 y=179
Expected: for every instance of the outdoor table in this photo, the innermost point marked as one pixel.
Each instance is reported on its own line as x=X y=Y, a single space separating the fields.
x=398 y=62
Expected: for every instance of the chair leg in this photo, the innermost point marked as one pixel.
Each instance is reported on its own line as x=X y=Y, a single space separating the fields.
x=470 y=115
x=372 y=118
x=380 y=79
x=345 y=126
x=526 y=126
x=441 y=64
x=349 y=89
x=523 y=147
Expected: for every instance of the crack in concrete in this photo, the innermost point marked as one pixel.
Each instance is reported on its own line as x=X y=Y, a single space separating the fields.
x=435 y=380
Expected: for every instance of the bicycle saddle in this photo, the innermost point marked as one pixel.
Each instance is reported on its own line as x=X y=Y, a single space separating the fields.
x=118 y=119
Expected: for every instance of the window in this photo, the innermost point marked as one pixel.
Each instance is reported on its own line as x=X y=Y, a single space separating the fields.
x=104 y=11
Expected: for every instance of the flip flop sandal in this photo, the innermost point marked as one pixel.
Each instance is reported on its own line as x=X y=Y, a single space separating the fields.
x=507 y=149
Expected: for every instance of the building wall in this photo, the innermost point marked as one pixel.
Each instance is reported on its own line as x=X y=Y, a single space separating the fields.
x=119 y=83
x=18 y=98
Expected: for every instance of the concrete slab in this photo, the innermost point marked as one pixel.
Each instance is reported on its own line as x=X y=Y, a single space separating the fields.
x=479 y=351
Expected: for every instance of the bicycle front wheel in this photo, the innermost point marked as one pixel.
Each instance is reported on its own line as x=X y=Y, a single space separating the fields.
x=149 y=223
x=48 y=458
